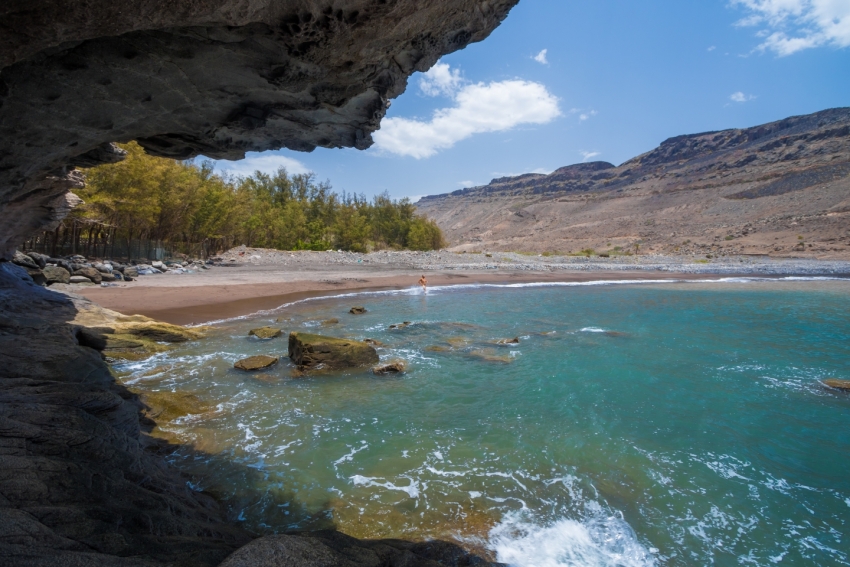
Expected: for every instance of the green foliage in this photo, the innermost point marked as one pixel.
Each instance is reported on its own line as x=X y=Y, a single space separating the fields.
x=185 y=204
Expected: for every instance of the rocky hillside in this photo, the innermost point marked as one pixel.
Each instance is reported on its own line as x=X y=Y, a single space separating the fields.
x=781 y=189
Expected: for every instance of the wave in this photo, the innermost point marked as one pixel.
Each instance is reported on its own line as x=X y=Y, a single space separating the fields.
x=416 y=290
x=600 y=540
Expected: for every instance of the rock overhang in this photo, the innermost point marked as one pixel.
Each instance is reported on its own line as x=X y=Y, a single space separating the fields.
x=212 y=77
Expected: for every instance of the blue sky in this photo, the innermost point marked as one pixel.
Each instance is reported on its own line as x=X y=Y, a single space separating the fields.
x=616 y=78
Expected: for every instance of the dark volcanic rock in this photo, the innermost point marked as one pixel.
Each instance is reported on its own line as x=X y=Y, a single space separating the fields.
x=328 y=548
x=211 y=77
x=80 y=483
x=310 y=351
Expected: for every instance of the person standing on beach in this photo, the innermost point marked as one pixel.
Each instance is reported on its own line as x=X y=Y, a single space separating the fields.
x=423 y=282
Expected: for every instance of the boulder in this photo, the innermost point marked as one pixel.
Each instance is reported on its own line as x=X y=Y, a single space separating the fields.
x=265 y=333
x=394 y=367
x=102 y=268
x=838 y=384
x=258 y=362
x=107 y=277
x=82 y=280
x=88 y=272
x=373 y=342
x=131 y=272
x=40 y=259
x=36 y=275
x=24 y=261
x=62 y=263
x=55 y=274
x=513 y=341
x=314 y=352
x=358 y=310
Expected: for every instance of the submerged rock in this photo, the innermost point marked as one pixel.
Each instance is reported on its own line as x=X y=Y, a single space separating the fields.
x=313 y=352
x=838 y=384
x=491 y=355
x=357 y=310
x=373 y=342
x=394 y=367
x=330 y=322
x=513 y=341
x=258 y=362
x=265 y=333
x=401 y=325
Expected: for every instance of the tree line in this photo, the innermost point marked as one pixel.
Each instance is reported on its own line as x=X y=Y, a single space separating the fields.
x=188 y=206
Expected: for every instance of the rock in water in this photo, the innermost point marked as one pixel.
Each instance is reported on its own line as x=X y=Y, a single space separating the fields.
x=513 y=341
x=55 y=274
x=401 y=325
x=357 y=310
x=88 y=272
x=838 y=384
x=315 y=352
x=394 y=367
x=258 y=362
x=266 y=333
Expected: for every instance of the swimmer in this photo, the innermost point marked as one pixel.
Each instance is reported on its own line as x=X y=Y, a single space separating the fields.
x=423 y=282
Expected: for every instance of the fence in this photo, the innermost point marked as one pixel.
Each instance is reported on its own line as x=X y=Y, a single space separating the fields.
x=97 y=240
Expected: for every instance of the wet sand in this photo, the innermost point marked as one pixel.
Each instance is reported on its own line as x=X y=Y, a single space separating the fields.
x=230 y=292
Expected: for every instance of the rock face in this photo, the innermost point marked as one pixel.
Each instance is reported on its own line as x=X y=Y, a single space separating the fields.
x=333 y=549
x=258 y=362
x=781 y=188
x=211 y=77
x=80 y=481
x=265 y=333
x=317 y=352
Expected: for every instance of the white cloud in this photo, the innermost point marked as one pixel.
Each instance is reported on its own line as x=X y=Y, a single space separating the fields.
x=466 y=184
x=741 y=97
x=587 y=156
x=712 y=48
x=440 y=79
x=789 y=26
x=582 y=114
x=267 y=162
x=479 y=108
x=541 y=57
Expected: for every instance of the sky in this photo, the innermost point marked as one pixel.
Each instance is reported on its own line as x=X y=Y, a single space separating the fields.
x=565 y=82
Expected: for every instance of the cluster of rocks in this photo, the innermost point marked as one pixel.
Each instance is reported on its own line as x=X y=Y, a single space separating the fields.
x=75 y=269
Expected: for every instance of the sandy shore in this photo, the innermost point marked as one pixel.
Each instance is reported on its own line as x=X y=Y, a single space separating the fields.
x=256 y=279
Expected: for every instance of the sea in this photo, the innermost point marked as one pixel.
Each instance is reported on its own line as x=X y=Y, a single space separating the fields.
x=630 y=424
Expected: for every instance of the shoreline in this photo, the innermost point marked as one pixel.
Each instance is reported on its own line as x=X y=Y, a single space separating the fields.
x=200 y=304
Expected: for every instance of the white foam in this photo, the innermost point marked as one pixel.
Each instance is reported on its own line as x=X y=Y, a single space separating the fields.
x=600 y=541
x=350 y=456
x=412 y=489
x=592 y=330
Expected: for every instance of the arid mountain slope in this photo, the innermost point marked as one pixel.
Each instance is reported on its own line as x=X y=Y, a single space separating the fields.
x=781 y=189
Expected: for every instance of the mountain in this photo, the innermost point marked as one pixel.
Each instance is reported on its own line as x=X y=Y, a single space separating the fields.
x=781 y=189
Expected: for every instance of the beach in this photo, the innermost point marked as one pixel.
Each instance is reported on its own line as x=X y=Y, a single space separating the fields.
x=248 y=280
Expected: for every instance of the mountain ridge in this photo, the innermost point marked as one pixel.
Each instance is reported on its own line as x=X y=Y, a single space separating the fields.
x=737 y=177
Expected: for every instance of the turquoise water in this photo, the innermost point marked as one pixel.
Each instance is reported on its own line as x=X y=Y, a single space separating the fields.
x=651 y=424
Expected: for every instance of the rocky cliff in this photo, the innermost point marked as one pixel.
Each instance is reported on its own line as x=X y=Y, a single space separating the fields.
x=781 y=188
x=212 y=77
x=81 y=482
